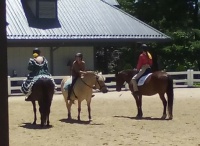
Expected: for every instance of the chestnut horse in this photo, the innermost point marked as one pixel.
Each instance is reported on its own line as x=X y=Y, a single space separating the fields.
x=158 y=82
x=42 y=91
x=82 y=90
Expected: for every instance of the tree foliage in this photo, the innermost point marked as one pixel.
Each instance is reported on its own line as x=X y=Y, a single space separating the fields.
x=179 y=19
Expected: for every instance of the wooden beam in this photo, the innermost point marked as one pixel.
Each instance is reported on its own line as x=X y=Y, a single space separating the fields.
x=4 y=122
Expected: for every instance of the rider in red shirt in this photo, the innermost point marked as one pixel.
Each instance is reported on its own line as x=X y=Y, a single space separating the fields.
x=144 y=60
x=144 y=63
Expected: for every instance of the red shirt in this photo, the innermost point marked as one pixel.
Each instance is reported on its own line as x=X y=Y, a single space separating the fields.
x=143 y=60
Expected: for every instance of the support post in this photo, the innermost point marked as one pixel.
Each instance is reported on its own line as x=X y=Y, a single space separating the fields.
x=4 y=122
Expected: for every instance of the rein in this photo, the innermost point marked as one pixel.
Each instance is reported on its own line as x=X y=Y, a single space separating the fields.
x=86 y=83
x=95 y=84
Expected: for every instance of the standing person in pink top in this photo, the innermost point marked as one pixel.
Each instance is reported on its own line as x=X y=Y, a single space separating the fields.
x=144 y=63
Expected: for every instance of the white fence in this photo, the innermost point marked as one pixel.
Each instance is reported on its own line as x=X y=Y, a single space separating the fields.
x=187 y=80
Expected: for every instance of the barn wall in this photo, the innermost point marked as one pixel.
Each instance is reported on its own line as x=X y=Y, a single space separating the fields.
x=18 y=59
x=63 y=56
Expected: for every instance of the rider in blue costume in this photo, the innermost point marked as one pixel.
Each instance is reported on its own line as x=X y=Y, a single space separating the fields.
x=38 y=67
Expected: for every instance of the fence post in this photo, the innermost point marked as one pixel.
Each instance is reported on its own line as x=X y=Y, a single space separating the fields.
x=190 y=77
x=9 y=86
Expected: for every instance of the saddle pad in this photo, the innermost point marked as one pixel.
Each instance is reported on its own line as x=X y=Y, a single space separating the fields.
x=67 y=83
x=143 y=79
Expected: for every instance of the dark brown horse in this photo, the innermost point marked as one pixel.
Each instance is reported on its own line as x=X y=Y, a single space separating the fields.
x=158 y=82
x=42 y=91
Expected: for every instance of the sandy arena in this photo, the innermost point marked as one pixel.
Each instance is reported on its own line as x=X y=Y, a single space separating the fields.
x=113 y=124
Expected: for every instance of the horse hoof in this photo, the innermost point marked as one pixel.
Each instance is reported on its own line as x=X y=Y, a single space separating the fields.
x=139 y=116
x=90 y=120
x=34 y=123
x=170 y=117
x=164 y=117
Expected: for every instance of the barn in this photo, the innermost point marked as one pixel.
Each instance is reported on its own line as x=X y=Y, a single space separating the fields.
x=61 y=28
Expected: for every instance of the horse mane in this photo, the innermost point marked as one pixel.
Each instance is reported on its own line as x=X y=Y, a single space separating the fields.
x=98 y=74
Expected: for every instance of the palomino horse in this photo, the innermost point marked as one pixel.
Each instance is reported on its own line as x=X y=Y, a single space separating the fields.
x=82 y=89
x=42 y=91
x=158 y=82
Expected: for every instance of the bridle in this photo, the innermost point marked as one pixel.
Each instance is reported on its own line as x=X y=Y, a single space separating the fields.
x=97 y=81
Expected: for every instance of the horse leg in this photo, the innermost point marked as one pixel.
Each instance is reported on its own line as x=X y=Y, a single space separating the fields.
x=68 y=105
x=89 y=109
x=79 y=109
x=41 y=109
x=34 y=110
x=138 y=105
x=162 y=97
x=47 y=115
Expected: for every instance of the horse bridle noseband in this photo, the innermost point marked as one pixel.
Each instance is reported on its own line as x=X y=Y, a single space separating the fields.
x=95 y=83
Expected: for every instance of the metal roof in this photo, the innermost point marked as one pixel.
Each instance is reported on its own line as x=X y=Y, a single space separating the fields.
x=81 y=20
x=112 y=2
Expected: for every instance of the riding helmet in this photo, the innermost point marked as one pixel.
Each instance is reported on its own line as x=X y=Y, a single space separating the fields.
x=79 y=55
x=144 y=47
x=36 y=50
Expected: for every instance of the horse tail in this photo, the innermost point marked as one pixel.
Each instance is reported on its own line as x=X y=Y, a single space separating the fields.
x=48 y=90
x=170 y=95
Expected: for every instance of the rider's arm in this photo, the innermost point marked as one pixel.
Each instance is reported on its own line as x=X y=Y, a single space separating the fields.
x=45 y=64
x=31 y=64
x=82 y=71
x=150 y=62
x=139 y=65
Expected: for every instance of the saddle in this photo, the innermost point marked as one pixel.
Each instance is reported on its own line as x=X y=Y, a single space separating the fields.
x=144 y=76
x=69 y=86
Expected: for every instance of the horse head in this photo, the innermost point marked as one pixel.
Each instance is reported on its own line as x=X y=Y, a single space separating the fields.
x=100 y=83
x=124 y=76
x=95 y=80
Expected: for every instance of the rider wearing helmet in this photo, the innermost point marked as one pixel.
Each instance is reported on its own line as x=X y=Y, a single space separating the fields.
x=38 y=67
x=78 y=68
x=144 y=63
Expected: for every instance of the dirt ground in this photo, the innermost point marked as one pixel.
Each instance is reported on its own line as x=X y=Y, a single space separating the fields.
x=113 y=123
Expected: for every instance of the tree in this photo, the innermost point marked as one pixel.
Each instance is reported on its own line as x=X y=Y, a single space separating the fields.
x=180 y=20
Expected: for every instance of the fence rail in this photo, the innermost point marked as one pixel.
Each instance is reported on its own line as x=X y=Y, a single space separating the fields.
x=181 y=79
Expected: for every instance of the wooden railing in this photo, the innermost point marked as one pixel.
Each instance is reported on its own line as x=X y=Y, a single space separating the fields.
x=181 y=79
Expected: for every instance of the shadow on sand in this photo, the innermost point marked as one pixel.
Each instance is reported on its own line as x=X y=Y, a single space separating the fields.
x=34 y=126
x=74 y=121
x=143 y=118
